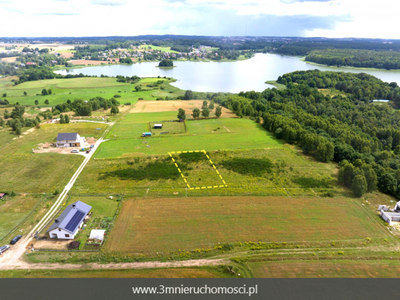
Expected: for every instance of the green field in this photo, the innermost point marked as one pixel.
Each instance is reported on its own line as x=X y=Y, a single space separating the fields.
x=13 y=210
x=148 y=117
x=192 y=223
x=84 y=88
x=163 y=49
x=168 y=128
x=198 y=272
x=24 y=171
x=291 y=174
x=336 y=268
x=244 y=134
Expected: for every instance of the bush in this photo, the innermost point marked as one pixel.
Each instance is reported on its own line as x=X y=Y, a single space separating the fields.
x=249 y=166
x=227 y=247
x=140 y=98
x=127 y=103
x=117 y=96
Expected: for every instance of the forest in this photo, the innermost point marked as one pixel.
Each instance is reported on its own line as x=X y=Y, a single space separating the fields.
x=356 y=58
x=347 y=128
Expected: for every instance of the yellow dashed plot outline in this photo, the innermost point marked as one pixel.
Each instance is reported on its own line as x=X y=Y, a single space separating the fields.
x=184 y=178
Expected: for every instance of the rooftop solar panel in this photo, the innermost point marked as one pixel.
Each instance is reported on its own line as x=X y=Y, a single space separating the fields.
x=75 y=220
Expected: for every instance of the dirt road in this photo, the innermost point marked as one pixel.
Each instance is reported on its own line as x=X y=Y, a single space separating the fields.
x=135 y=265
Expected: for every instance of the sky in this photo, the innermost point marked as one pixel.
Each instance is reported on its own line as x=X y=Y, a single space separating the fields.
x=304 y=18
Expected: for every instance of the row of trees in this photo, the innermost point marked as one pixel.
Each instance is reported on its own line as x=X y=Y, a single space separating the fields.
x=356 y=58
x=16 y=121
x=205 y=111
x=85 y=108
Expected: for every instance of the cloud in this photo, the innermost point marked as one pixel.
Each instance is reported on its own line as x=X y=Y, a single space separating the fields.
x=9 y=9
x=108 y=2
x=293 y=1
x=56 y=14
x=227 y=22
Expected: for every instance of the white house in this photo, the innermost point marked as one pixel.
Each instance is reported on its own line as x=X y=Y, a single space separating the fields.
x=70 y=140
x=66 y=226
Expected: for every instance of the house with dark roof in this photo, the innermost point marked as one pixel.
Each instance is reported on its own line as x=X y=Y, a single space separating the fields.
x=70 y=140
x=67 y=225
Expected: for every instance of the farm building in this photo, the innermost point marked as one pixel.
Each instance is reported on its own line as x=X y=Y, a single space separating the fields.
x=380 y=101
x=67 y=225
x=70 y=140
x=146 y=134
x=157 y=126
x=2 y=195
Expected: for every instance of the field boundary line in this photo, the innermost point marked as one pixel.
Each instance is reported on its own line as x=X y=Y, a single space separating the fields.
x=212 y=164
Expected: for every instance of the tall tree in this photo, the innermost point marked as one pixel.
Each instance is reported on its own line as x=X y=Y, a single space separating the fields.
x=196 y=113
x=181 y=114
x=188 y=95
x=114 y=110
x=218 y=111
x=205 y=112
x=359 y=185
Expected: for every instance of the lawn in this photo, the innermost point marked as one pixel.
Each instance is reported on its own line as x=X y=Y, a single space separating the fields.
x=27 y=172
x=150 y=225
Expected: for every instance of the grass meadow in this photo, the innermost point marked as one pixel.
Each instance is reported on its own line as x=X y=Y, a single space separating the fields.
x=27 y=172
x=190 y=223
x=277 y=171
x=234 y=134
x=84 y=88
x=196 y=272
x=14 y=209
x=336 y=268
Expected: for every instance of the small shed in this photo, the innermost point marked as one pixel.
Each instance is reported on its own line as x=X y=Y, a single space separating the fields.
x=97 y=234
x=146 y=134
x=157 y=126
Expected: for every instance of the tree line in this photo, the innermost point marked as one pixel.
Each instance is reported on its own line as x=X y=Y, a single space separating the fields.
x=347 y=128
x=356 y=58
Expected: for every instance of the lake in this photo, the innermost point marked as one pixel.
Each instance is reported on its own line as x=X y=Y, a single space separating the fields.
x=246 y=75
